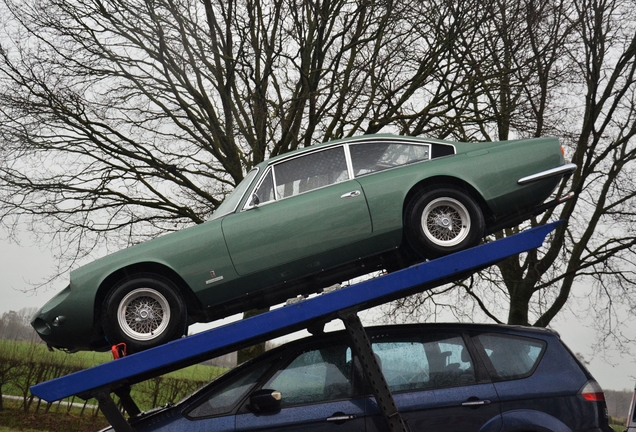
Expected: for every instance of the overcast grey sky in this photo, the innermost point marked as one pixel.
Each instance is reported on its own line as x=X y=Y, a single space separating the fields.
x=23 y=265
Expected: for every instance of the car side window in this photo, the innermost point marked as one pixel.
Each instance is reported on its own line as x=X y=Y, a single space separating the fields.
x=368 y=158
x=265 y=191
x=435 y=362
x=225 y=397
x=314 y=376
x=512 y=357
x=312 y=171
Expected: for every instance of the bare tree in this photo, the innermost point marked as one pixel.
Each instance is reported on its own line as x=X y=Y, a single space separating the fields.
x=564 y=68
x=16 y=325
x=122 y=119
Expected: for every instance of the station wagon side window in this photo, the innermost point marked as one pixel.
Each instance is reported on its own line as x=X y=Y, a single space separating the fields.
x=311 y=171
x=224 y=397
x=432 y=362
x=314 y=376
x=368 y=158
x=512 y=357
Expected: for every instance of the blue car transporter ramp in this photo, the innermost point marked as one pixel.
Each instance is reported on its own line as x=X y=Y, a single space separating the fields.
x=117 y=376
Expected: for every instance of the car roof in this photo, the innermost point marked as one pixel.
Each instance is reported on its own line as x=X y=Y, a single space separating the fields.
x=373 y=331
x=360 y=139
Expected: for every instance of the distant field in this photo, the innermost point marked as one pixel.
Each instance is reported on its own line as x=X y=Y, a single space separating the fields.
x=29 y=363
x=87 y=359
x=38 y=350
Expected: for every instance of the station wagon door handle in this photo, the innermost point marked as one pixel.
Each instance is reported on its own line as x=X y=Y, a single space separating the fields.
x=351 y=194
x=340 y=418
x=475 y=403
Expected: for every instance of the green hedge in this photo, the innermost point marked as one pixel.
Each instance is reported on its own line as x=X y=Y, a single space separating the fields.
x=23 y=364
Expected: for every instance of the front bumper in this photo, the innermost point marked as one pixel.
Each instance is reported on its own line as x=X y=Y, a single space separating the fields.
x=66 y=324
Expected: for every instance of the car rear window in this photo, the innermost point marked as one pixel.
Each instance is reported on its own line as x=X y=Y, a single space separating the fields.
x=512 y=357
x=368 y=158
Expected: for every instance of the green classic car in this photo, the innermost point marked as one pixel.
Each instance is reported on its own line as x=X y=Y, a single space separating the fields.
x=301 y=222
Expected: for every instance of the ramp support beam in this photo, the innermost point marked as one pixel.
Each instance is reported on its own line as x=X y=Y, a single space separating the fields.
x=361 y=345
x=112 y=413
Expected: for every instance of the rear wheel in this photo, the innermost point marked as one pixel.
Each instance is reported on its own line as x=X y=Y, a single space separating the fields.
x=143 y=311
x=443 y=220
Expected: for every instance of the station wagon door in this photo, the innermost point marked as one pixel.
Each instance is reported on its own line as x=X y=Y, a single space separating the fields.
x=436 y=384
x=317 y=393
x=310 y=213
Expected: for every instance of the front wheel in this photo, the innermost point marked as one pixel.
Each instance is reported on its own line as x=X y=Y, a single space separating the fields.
x=143 y=311
x=443 y=220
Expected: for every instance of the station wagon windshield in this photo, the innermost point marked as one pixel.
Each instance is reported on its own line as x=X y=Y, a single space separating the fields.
x=232 y=200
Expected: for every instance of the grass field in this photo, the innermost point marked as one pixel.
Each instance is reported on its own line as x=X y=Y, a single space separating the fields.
x=24 y=364
x=84 y=359
x=14 y=419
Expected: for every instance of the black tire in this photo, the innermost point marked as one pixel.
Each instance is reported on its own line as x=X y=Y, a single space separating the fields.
x=443 y=220
x=143 y=311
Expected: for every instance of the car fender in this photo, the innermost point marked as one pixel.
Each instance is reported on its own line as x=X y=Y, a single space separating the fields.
x=495 y=424
x=529 y=420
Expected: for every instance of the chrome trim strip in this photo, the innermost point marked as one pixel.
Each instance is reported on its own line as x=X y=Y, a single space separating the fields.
x=562 y=170
x=396 y=140
x=273 y=168
x=349 y=162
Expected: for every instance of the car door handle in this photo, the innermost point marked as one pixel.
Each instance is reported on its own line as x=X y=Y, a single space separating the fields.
x=340 y=418
x=351 y=194
x=475 y=403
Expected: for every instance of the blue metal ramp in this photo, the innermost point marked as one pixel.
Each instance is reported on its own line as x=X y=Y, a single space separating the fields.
x=118 y=374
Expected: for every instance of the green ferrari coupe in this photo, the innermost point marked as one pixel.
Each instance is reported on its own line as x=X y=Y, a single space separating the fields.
x=301 y=222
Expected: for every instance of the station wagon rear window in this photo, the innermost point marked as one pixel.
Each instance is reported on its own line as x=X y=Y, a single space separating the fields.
x=512 y=357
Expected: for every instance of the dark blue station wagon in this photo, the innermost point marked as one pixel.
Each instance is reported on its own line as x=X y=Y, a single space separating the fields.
x=444 y=378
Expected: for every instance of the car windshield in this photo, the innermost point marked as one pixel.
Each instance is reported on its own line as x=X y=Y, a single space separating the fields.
x=232 y=200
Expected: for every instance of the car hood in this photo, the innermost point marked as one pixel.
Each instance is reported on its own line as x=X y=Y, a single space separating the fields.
x=157 y=250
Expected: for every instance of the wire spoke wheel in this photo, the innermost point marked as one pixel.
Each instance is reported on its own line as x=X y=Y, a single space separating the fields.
x=441 y=220
x=446 y=221
x=143 y=310
x=143 y=314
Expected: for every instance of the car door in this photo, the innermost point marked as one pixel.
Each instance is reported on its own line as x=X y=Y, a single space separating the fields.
x=436 y=385
x=215 y=409
x=317 y=394
x=310 y=213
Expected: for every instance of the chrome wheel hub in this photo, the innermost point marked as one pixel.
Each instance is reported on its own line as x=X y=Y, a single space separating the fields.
x=143 y=314
x=445 y=222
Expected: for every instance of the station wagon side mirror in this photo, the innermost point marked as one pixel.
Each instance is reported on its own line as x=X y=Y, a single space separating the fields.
x=265 y=400
x=253 y=202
